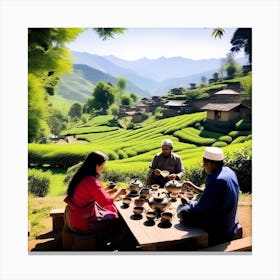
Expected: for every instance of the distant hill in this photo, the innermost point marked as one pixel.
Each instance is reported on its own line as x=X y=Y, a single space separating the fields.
x=146 y=77
x=78 y=86
x=155 y=76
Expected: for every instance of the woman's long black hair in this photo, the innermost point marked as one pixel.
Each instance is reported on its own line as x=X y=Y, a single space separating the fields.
x=88 y=168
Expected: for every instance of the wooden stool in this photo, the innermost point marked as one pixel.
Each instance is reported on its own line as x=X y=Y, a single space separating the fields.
x=73 y=241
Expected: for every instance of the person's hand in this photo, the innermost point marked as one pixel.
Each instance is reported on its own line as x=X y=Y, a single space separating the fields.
x=122 y=191
x=185 y=200
x=171 y=177
x=157 y=172
x=188 y=184
x=110 y=191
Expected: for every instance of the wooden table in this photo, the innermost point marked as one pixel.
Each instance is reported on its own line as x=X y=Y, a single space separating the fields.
x=154 y=236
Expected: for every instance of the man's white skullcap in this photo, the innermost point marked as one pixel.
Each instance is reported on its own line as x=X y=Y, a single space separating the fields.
x=167 y=142
x=213 y=153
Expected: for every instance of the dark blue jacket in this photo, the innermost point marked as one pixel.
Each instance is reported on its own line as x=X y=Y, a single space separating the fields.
x=216 y=210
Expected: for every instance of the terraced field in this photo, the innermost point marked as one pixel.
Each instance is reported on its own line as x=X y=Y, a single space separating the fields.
x=131 y=151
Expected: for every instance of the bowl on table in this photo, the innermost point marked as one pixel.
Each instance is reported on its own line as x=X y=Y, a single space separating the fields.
x=151 y=215
x=173 y=196
x=139 y=201
x=164 y=173
x=126 y=201
x=166 y=216
x=138 y=210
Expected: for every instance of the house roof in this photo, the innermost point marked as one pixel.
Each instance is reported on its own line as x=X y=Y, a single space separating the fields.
x=227 y=91
x=176 y=103
x=221 y=106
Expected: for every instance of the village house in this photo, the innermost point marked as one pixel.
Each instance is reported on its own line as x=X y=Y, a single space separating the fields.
x=175 y=107
x=225 y=112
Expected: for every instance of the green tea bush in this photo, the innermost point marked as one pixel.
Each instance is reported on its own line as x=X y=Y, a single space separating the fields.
x=226 y=138
x=63 y=159
x=38 y=182
x=219 y=144
x=244 y=124
x=241 y=163
x=121 y=154
x=239 y=139
x=195 y=174
x=191 y=135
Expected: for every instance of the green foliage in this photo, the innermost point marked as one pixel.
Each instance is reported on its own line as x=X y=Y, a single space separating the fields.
x=240 y=161
x=219 y=144
x=75 y=110
x=57 y=122
x=226 y=138
x=37 y=110
x=239 y=139
x=38 y=182
x=103 y=97
x=246 y=84
x=244 y=124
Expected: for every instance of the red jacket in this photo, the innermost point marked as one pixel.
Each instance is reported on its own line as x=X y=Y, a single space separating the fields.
x=88 y=190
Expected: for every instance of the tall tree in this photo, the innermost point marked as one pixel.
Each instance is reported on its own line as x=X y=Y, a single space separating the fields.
x=103 y=97
x=242 y=38
x=48 y=59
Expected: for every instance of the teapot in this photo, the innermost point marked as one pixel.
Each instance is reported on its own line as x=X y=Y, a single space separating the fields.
x=135 y=186
x=173 y=186
x=145 y=193
x=159 y=202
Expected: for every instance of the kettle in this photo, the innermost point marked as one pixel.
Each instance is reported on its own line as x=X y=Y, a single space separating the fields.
x=135 y=186
x=159 y=202
x=173 y=186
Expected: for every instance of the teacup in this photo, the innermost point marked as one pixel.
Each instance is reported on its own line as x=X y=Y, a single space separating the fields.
x=166 y=216
x=139 y=201
x=151 y=215
x=137 y=210
x=126 y=200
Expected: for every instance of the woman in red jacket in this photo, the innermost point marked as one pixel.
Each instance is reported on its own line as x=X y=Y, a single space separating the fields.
x=84 y=188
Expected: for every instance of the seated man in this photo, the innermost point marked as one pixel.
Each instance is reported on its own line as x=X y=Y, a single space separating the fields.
x=165 y=160
x=216 y=209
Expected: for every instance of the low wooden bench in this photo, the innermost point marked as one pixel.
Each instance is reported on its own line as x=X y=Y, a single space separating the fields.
x=57 y=215
x=241 y=244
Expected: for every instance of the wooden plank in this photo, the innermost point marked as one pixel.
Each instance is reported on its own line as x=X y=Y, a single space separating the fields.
x=242 y=244
x=57 y=212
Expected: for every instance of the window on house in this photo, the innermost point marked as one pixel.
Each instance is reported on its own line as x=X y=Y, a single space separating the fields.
x=217 y=115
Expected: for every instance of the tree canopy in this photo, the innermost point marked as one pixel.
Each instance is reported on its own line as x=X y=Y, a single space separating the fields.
x=48 y=59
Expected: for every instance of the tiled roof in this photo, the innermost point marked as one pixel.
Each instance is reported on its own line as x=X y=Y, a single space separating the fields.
x=227 y=91
x=178 y=103
x=220 y=106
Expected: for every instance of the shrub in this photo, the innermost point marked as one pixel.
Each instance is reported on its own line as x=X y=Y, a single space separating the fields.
x=226 y=138
x=239 y=139
x=219 y=144
x=241 y=163
x=244 y=124
x=195 y=174
x=38 y=182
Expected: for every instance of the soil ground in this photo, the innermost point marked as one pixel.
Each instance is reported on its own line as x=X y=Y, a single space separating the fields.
x=51 y=241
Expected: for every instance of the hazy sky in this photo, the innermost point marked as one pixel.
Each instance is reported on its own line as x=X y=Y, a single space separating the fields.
x=135 y=43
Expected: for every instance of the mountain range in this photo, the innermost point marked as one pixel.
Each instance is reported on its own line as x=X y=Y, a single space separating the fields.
x=145 y=77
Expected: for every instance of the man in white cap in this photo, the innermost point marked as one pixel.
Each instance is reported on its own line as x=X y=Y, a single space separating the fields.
x=216 y=209
x=166 y=160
